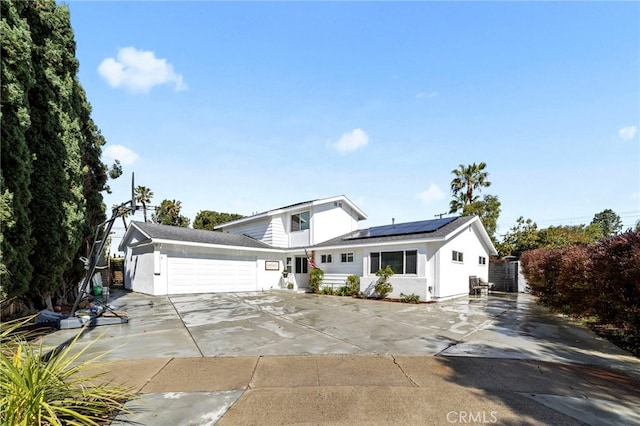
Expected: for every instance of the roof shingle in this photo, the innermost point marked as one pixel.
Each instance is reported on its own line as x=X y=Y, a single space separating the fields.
x=180 y=234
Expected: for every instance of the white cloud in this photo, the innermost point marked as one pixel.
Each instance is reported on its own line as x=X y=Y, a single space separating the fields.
x=125 y=155
x=628 y=133
x=351 y=141
x=139 y=70
x=432 y=193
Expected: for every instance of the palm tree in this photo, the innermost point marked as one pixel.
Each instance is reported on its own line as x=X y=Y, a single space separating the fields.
x=168 y=213
x=467 y=180
x=143 y=196
x=123 y=212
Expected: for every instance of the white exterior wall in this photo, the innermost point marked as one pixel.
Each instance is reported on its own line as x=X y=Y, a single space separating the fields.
x=276 y=234
x=267 y=280
x=329 y=221
x=402 y=283
x=258 y=229
x=150 y=268
x=138 y=270
x=299 y=238
x=453 y=277
x=336 y=266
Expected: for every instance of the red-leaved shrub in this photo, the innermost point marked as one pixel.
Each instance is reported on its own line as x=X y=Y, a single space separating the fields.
x=601 y=279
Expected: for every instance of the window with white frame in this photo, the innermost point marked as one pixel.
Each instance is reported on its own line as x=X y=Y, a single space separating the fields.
x=401 y=262
x=482 y=260
x=288 y=265
x=346 y=257
x=300 y=221
x=302 y=265
x=457 y=256
x=326 y=258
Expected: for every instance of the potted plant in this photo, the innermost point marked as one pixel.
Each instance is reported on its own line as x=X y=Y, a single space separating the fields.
x=290 y=286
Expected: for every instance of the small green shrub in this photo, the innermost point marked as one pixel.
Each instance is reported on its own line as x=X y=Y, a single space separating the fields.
x=52 y=390
x=383 y=287
x=326 y=290
x=290 y=286
x=343 y=291
x=409 y=298
x=315 y=279
x=353 y=285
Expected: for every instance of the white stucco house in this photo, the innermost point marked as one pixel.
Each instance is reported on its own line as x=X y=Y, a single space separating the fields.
x=431 y=258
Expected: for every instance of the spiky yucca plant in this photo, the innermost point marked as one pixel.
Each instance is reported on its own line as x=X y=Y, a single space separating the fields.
x=54 y=390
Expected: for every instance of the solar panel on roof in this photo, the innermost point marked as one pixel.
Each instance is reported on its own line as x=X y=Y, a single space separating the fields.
x=402 y=228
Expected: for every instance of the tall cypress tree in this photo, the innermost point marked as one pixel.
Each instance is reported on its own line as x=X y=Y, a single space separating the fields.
x=52 y=175
x=16 y=161
x=57 y=205
x=94 y=182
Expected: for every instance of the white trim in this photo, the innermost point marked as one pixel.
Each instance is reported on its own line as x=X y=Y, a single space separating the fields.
x=220 y=246
x=295 y=208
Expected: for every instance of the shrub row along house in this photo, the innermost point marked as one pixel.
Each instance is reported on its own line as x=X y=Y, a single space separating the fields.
x=432 y=259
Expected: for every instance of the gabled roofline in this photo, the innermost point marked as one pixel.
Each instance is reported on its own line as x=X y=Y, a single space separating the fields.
x=219 y=246
x=366 y=242
x=413 y=238
x=477 y=223
x=125 y=237
x=295 y=207
x=371 y=242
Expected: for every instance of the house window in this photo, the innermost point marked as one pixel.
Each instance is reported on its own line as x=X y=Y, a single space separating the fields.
x=375 y=262
x=401 y=262
x=326 y=258
x=300 y=221
x=482 y=260
x=288 y=265
x=302 y=266
x=457 y=256
x=411 y=262
x=346 y=257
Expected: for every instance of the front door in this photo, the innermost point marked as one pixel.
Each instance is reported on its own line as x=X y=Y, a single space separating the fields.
x=301 y=272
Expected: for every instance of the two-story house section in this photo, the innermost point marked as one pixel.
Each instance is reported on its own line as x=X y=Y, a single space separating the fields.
x=432 y=259
x=300 y=225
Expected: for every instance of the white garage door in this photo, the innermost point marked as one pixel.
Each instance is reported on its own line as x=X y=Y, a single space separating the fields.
x=206 y=275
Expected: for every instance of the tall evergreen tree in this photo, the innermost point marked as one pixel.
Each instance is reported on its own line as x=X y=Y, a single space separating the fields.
x=52 y=175
x=608 y=221
x=52 y=139
x=94 y=182
x=16 y=161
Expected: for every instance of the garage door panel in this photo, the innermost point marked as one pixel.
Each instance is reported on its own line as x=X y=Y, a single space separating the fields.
x=202 y=275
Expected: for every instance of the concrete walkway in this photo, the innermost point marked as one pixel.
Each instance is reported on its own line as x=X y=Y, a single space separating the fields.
x=286 y=358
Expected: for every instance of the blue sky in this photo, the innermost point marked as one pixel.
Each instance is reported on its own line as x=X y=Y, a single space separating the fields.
x=244 y=107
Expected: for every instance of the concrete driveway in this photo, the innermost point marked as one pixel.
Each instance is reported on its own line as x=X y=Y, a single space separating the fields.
x=245 y=337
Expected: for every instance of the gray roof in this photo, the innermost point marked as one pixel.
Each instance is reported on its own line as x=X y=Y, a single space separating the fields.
x=347 y=240
x=180 y=234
